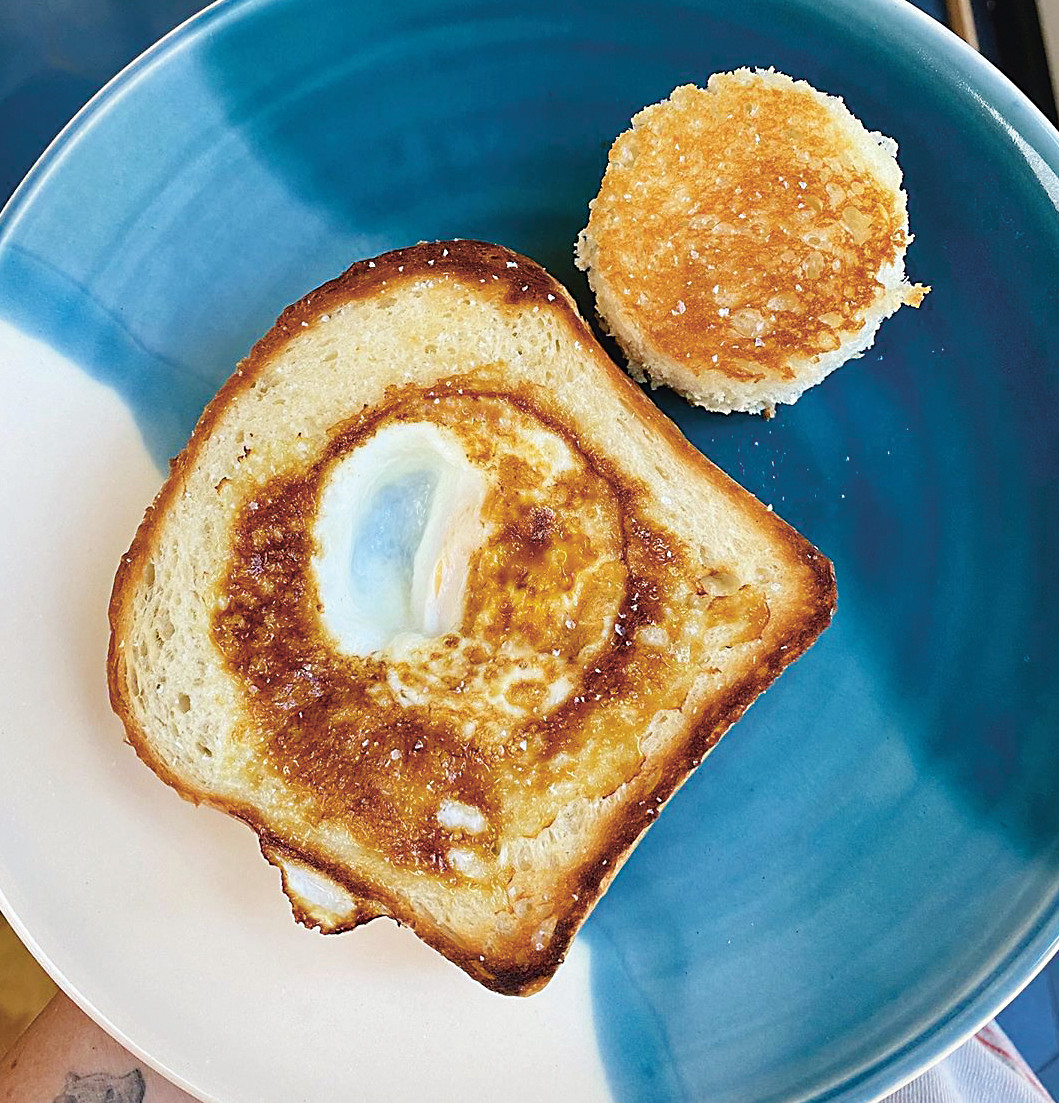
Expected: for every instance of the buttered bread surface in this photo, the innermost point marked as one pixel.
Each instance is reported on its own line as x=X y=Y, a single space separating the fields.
x=436 y=750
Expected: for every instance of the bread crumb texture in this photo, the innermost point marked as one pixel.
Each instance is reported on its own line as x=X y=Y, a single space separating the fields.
x=748 y=238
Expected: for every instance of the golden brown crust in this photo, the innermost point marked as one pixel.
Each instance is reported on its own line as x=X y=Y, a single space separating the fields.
x=747 y=238
x=278 y=854
x=522 y=283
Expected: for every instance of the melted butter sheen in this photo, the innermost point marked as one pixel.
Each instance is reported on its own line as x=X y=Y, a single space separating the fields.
x=544 y=693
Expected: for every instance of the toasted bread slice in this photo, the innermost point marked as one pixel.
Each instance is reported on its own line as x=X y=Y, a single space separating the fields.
x=747 y=239
x=445 y=609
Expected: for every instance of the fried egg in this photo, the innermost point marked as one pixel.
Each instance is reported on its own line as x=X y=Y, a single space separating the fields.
x=398 y=521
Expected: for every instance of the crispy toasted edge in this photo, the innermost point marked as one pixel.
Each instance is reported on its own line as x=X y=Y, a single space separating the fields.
x=359 y=911
x=523 y=284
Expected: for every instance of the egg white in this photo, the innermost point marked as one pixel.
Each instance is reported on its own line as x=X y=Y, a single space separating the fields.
x=399 y=519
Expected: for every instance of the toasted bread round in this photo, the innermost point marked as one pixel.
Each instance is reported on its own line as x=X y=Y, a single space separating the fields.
x=747 y=239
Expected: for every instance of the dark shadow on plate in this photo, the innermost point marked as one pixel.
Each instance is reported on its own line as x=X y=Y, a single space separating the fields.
x=55 y=54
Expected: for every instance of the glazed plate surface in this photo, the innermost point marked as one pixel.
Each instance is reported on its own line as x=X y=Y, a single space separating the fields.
x=868 y=866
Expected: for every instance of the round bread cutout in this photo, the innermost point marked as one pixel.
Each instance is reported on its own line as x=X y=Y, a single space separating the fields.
x=748 y=238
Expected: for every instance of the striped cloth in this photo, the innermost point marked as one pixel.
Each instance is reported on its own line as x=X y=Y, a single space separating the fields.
x=987 y=1069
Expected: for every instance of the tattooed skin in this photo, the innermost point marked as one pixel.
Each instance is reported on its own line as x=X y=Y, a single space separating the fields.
x=100 y=1087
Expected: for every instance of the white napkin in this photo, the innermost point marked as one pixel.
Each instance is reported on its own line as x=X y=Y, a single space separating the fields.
x=987 y=1069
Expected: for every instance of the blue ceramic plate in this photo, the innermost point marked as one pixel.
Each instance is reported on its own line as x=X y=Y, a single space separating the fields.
x=865 y=870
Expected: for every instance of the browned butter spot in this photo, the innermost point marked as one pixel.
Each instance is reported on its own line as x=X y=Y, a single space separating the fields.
x=543 y=695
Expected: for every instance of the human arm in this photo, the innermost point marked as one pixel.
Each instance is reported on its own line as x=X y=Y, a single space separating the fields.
x=63 y=1057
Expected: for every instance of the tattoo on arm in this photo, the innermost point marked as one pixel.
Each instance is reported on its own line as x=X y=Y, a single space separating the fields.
x=100 y=1087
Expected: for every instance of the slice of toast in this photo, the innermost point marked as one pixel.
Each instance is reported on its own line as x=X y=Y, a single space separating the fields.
x=445 y=609
x=748 y=238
